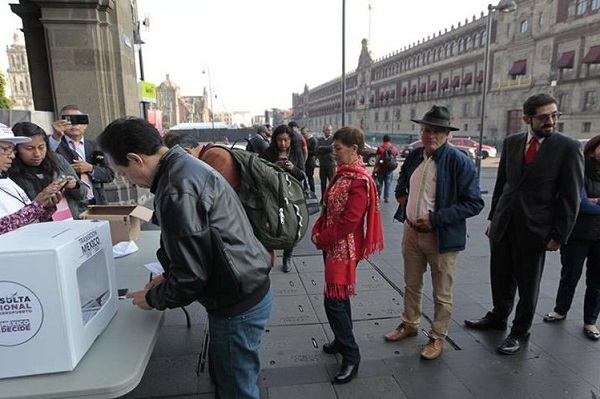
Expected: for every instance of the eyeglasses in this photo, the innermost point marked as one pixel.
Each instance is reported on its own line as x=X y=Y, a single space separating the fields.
x=546 y=117
x=7 y=150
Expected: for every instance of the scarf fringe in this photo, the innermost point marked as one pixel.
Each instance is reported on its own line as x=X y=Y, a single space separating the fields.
x=372 y=248
x=339 y=291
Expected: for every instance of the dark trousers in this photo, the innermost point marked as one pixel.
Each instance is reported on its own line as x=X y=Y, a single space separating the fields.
x=572 y=256
x=513 y=269
x=339 y=316
x=309 y=169
x=326 y=172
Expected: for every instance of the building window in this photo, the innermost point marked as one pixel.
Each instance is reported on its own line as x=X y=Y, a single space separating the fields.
x=581 y=7
x=413 y=113
x=397 y=115
x=518 y=68
x=386 y=116
x=466 y=110
x=587 y=127
x=541 y=19
x=478 y=110
x=465 y=127
x=589 y=100
x=595 y=5
x=524 y=26
x=376 y=116
x=461 y=47
x=563 y=102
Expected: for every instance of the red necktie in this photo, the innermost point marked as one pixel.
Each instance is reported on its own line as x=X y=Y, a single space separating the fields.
x=531 y=150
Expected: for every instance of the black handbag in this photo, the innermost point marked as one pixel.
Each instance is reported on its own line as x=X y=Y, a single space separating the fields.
x=312 y=202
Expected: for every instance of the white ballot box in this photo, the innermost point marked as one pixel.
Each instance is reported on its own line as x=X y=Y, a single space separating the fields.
x=58 y=292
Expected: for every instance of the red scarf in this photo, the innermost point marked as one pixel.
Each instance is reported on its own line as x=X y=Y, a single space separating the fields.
x=341 y=260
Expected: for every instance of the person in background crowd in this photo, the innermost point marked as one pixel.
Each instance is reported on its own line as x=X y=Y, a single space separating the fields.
x=35 y=167
x=259 y=141
x=300 y=139
x=309 y=166
x=187 y=141
x=16 y=208
x=437 y=191
x=383 y=174
x=534 y=207
x=285 y=152
x=326 y=158
x=340 y=233
x=207 y=249
x=584 y=243
x=86 y=159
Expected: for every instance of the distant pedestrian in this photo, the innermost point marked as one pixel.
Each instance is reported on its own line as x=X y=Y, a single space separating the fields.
x=326 y=158
x=341 y=232
x=309 y=166
x=260 y=140
x=437 y=191
x=584 y=243
x=534 y=207
x=385 y=164
x=301 y=141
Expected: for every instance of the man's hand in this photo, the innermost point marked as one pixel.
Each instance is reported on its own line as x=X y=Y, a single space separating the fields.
x=552 y=245
x=154 y=282
x=424 y=222
x=139 y=299
x=80 y=166
x=59 y=127
x=402 y=200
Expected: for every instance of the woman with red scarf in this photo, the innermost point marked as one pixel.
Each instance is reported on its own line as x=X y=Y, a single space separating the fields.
x=339 y=232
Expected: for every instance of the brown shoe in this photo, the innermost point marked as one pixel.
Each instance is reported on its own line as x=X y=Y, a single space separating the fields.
x=433 y=348
x=402 y=331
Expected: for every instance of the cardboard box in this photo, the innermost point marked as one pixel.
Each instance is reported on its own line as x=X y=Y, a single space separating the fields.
x=58 y=292
x=125 y=221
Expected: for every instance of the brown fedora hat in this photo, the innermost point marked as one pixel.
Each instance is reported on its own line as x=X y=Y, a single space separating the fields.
x=438 y=116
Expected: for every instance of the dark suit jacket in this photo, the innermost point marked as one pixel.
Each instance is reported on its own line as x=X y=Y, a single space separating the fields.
x=102 y=172
x=539 y=200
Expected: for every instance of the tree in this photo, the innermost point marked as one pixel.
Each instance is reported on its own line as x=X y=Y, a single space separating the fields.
x=4 y=101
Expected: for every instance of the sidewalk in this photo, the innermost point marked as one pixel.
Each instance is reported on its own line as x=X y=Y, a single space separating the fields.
x=559 y=362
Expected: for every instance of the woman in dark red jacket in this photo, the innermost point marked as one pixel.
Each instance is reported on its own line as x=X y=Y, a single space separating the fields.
x=340 y=233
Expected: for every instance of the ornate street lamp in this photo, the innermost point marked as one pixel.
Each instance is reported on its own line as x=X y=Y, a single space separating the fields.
x=505 y=6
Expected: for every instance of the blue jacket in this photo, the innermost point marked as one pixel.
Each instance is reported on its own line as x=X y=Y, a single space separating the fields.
x=457 y=194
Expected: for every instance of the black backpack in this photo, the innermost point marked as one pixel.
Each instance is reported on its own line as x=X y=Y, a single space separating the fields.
x=273 y=200
x=389 y=160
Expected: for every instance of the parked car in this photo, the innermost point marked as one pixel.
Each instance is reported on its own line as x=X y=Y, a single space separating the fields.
x=368 y=154
x=471 y=152
x=486 y=150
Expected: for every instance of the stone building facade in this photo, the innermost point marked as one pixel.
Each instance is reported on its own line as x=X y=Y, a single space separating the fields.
x=544 y=46
x=18 y=74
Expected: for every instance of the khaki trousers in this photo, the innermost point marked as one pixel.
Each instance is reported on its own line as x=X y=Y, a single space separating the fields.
x=418 y=250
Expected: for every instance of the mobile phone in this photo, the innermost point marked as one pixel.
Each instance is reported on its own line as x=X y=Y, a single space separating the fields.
x=63 y=185
x=283 y=159
x=80 y=119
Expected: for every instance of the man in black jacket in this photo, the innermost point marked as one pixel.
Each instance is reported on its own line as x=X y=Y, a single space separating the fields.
x=87 y=160
x=207 y=248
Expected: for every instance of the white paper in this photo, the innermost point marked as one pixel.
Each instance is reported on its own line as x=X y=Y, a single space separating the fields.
x=155 y=268
x=123 y=248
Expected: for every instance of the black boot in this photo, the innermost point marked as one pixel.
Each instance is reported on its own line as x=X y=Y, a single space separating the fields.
x=286 y=264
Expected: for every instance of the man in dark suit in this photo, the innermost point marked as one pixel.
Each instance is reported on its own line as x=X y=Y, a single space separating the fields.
x=87 y=160
x=533 y=210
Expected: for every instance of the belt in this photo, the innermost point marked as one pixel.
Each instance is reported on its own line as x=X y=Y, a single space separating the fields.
x=417 y=228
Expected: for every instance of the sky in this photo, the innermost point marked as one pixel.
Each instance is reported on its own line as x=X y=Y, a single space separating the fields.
x=257 y=53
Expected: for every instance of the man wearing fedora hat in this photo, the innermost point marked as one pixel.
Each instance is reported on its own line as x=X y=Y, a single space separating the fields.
x=437 y=191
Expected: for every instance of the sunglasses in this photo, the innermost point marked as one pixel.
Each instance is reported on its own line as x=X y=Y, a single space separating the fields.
x=546 y=117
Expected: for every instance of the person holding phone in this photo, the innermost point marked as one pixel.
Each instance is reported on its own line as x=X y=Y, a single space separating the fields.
x=86 y=159
x=285 y=152
x=35 y=167
x=16 y=208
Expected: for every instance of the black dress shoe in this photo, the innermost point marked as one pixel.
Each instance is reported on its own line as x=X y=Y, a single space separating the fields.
x=331 y=348
x=594 y=336
x=485 y=323
x=346 y=373
x=512 y=345
x=286 y=265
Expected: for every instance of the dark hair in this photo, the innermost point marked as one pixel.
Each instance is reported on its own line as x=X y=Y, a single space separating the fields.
x=186 y=140
x=387 y=138
x=49 y=166
x=590 y=147
x=129 y=135
x=293 y=124
x=531 y=105
x=349 y=136
x=281 y=129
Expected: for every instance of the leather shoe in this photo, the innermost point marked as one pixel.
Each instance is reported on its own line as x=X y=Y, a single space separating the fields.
x=593 y=335
x=433 y=349
x=346 y=373
x=402 y=331
x=331 y=348
x=286 y=265
x=485 y=323
x=553 y=316
x=512 y=345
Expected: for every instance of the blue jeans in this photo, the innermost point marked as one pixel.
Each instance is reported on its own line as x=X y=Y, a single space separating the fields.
x=339 y=315
x=384 y=179
x=234 y=350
